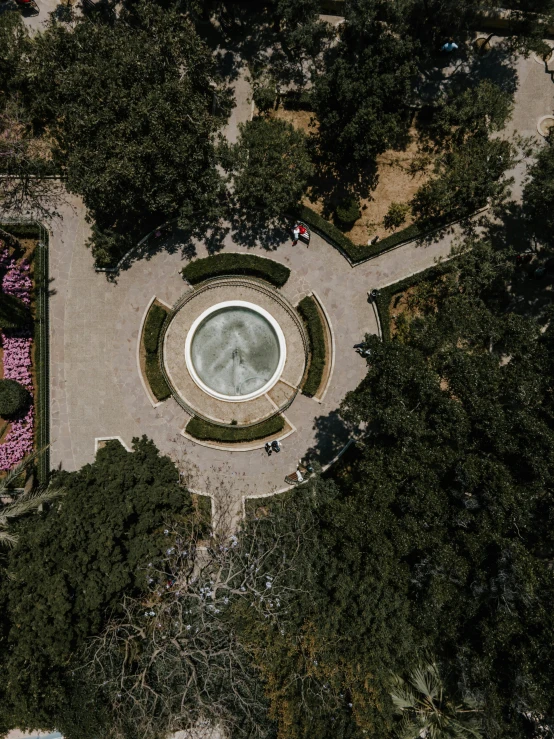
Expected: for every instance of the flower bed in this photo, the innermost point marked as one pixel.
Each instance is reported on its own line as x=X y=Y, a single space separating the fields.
x=17 y=345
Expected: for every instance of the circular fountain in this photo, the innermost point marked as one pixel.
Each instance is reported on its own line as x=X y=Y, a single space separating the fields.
x=235 y=351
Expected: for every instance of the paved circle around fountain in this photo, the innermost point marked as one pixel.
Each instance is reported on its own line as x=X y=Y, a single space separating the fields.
x=234 y=351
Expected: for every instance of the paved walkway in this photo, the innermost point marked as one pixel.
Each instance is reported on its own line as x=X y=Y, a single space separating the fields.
x=96 y=391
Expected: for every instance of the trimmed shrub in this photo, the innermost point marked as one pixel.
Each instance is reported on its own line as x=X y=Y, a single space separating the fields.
x=265 y=97
x=396 y=215
x=347 y=212
x=153 y=327
x=206 y=431
x=14 y=398
x=13 y=312
x=297 y=100
x=221 y=265
x=316 y=333
x=156 y=380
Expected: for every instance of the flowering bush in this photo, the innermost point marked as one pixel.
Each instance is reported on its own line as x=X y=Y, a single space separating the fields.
x=17 y=345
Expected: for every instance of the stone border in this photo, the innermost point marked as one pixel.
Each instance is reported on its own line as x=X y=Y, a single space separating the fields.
x=253 y=308
x=98 y=439
x=249 y=282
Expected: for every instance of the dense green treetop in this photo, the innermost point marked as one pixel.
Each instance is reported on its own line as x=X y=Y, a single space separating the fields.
x=538 y=195
x=436 y=538
x=129 y=103
x=75 y=562
x=270 y=166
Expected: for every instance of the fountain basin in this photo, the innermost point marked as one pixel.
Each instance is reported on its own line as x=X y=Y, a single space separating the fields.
x=235 y=351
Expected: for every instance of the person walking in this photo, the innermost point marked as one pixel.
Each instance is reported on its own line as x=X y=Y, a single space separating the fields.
x=295 y=234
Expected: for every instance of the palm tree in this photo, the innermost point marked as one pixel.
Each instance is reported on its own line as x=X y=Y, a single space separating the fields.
x=427 y=713
x=14 y=505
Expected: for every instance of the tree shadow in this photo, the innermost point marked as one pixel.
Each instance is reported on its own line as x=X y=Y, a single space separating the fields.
x=332 y=434
x=253 y=232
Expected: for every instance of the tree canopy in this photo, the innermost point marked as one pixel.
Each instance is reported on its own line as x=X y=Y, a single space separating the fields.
x=435 y=537
x=129 y=103
x=270 y=167
x=538 y=195
x=72 y=567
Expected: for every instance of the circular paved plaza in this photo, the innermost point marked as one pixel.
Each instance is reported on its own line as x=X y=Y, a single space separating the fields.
x=235 y=351
x=97 y=389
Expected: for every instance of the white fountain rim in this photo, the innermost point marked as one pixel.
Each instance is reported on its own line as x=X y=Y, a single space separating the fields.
x=282 y=351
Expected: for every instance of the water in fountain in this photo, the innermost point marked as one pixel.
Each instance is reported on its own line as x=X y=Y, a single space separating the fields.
x=235 y=351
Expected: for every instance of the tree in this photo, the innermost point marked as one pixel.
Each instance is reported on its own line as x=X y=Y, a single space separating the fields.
x=470 y=162
x=16 y=504
x=427 y=711
x=270 y=167
x=129 y=104
x=434 y=535
x=360 y=98
x=538 y=195
x=15 y=48
x=71 y=568
x=174 y=660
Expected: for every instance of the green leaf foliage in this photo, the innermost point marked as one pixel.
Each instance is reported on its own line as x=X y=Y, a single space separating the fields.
x=538 y=195
x=14 y=398
x=13 y=312
x=270 y=166
x=153 y=326
x=206 y=431
x=221 y=265
x=72 y=567
x=309 y=311
x=129 y=104
x=435 y=535
x=155 y=378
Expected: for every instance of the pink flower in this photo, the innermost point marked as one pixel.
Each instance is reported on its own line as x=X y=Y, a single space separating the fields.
x=19 y=442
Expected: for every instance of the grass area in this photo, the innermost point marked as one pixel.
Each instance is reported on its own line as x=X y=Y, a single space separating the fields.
x=221 y=265
x=316 y=333
x=386 y=294
x=150 y=340
x=206 y=431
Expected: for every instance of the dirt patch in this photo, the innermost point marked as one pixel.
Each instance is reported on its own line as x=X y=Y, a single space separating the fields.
x=304 y=120
x=398 y=180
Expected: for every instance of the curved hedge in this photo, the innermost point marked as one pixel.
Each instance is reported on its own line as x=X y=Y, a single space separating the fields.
x=14 y=398
x=206 y=431
x=153 y=327
x=151 y=339
x=309 y=311
x=250 y=265
x=359 y=252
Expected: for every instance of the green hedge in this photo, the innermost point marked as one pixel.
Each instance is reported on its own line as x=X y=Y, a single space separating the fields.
x=151 y=338
x=206 y=431
x=153 y=327
x=316 y=334
x=42 y=353
x=236 y=264
x=386 y=294
x=358 y=252
x=156 y=380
